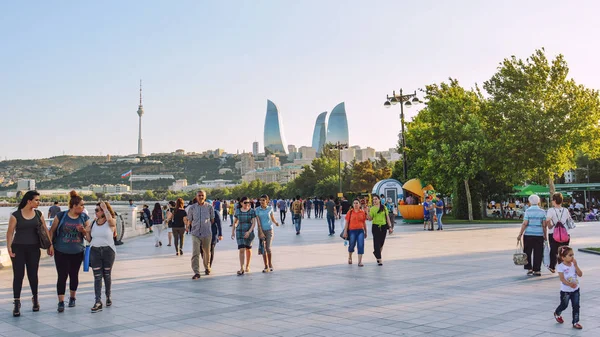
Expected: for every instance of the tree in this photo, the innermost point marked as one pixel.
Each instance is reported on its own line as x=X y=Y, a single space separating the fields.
x=543 y=118
x=450 y=138
x=363 y=176
x=328 y=186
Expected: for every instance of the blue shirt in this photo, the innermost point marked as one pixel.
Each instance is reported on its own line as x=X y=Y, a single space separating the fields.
x=68 y=239
x=265 y=217
x=535 y=217
x=440 y=203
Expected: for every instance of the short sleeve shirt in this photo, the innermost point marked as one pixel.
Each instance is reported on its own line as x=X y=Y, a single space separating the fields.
x=535 y=217
x=356 y=219
x=53 y=211
x=570 y=274
x=379 y=218
x=330 y=205
x=201 y=217
x=264 y=215
x=440 y=203
x=558 y=214
x=68 y=239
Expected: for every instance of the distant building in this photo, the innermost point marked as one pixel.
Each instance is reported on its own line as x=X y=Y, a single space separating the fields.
x=178 y=185
x=217 y=183
x=337 y=125
x=272 y=161
x=25 y=184
x=180 y=152
x=255 y=149
x=307 y=152
x=570 y=177
x=292 y=148
x=320 y=132
x=274 y=138
x=219 y=152
x=348 y=155
x=247 y=163
x=282 y=174
x=129 y=160
x=148 y=177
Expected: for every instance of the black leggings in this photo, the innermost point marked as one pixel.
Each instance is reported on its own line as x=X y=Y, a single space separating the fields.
x=178 y=238
x=379 y=234
x=554 y=249
x=67 y=265
x=26 y=256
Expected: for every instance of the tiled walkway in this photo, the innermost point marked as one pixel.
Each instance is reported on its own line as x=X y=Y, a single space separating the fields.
x=459 y=282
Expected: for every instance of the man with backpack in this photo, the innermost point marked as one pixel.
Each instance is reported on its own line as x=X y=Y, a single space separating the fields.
x=298 y=213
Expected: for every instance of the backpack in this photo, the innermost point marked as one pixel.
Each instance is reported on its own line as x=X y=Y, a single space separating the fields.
x=560 y=233
x=297 y=207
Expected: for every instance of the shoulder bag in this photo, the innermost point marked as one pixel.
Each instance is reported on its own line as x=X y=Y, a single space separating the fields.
x=42 y=232
x=347 y=226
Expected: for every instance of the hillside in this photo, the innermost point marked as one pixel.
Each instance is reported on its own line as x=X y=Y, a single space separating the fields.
x=76 y=172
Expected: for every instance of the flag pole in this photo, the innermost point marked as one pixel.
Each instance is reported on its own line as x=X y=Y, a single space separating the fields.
x=131 y=181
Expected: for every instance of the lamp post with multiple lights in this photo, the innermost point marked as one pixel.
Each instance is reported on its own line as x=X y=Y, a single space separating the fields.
x=407 y=100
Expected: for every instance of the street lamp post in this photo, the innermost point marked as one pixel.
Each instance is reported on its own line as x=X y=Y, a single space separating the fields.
x=403 y=100
x=340 y=146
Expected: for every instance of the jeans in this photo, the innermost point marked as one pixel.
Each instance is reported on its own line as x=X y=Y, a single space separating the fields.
x=356 y=237
x=26 y=256
x=308 y=211
x=439 y=220
x=331 y=223
x=231 y=218
x=67 y=265
x=564 y=303
x=298 y=222
x=379 y=234
x=282 y=215
x=533 y=246
x=101 y=261
x=178 y=238
x=554 y=250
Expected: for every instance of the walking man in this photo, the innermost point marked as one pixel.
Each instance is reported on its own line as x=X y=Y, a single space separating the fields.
x=298 y=213
x=282 y=205
x=201 y=215
x=330 y=206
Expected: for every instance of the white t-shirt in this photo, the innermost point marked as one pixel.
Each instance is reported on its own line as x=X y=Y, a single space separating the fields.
x=556 y=214
x=570 y=274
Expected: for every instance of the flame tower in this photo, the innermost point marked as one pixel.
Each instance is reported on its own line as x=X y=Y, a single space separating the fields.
x=140 y=113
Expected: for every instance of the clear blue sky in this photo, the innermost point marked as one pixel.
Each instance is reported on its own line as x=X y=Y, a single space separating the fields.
x=69 y=70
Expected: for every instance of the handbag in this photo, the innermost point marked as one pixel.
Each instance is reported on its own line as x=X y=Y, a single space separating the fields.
x=519 y=258
x=347 y=226
x=570 y=224
x=42 y=232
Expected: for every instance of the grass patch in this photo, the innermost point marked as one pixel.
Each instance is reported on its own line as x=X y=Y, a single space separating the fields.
x=596 y=249
x=450 y=220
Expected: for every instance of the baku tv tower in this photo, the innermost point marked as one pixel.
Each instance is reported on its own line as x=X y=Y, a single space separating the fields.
x=140 y=113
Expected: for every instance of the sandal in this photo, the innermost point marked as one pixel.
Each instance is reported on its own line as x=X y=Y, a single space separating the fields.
x=537 y=273
x=196 y=276
x=577 y=326
x=240 y=272
x=247 y=269
x=530 y=273
x=379 y=262
x=559 y=318
x=271 y=268
x=266 y=270
x=349 y=261
x=361 y=265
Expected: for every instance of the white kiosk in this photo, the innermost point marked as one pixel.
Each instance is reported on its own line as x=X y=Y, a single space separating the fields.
x=391 y=188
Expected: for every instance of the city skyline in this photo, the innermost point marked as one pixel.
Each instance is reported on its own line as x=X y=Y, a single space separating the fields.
x=274 y=136
x=78 y=63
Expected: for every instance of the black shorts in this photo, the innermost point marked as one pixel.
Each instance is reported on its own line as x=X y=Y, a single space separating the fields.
x=244 y=247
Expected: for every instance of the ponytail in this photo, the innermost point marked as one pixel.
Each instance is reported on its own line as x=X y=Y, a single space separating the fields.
x=75 y=199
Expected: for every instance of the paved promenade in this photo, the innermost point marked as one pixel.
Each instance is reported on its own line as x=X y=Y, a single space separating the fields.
x=458 y=282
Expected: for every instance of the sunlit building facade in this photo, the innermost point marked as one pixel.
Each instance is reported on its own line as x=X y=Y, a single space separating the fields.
x=320 y=133
x=273 y=134
x=337 y=125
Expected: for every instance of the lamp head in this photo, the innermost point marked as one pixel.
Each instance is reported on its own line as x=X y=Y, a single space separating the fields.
x=387 y=104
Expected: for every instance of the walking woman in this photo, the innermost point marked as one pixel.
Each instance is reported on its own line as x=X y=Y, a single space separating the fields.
x=178 y=220
x=100 y=235
x=23 y=244
x=67 y=233
x=533 y=233
x=157 y=224
x=243 y=232
x=265 y=219
x=554 y=215
x=378 y=213
x=356 y=231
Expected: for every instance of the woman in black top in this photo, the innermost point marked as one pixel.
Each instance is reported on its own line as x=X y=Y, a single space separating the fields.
x=179 y=221
x=23 y=245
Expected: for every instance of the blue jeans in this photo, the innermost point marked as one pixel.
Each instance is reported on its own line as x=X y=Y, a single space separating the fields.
x=356 y=237
x=439 y=218
x=331 y=223
x=564 y=303
x=297 y=222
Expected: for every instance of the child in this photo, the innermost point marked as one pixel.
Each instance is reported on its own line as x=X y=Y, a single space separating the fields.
x=568 y=270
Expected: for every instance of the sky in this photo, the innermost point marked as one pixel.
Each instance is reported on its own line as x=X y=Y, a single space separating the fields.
x=70 y=70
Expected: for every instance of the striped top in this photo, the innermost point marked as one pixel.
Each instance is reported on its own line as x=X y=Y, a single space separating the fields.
x=535 y=217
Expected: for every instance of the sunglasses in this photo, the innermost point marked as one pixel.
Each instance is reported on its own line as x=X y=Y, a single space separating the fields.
x=97 y=210
x=246 y=203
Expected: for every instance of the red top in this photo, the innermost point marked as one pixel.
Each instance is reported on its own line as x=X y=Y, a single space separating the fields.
x=356 y=219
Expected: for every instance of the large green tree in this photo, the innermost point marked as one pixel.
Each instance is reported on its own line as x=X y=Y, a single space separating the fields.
x=448 y=140
x=542 y=118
